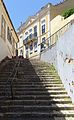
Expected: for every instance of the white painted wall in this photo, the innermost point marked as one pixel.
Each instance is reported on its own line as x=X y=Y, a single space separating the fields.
x=62 y=56
x=65 y=52
x=50 y=56
x=4 y=50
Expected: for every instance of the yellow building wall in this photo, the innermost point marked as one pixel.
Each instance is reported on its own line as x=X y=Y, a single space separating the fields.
x=56 y=24
x=2 y=12
x=8 y=49
x=47 y=26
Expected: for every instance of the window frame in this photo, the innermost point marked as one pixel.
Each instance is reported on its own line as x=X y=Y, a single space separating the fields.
x=43 y=29
x=35 y=31
x=35 y=45
x=3 y=28
x=31 y=45
x=9 y=35
x=43 y=43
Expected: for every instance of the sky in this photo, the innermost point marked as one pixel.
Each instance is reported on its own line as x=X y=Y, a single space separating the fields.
x=20 y=10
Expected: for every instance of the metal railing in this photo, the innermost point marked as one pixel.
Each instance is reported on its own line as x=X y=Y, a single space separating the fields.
x=11 y=79
x=54 y=37
x=30 y=37
x=51 y=41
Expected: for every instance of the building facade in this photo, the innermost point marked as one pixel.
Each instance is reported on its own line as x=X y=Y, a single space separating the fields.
x=34 y=33
x=8 y=36
x=61 y=26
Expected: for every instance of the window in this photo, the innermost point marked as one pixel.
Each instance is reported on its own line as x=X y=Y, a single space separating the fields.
x=43 y=40
x=9 y=35
x=30 y=36
x=13 y=46
x=3 y=28
x=30 y=30
x=43 y=21
x=16 y=45
x=26 y=39
x=20 y=36
x=35 y=45
x=35 y=31
x=35 y=34
x=26 y=33
x=26 y=36
x=43 y=44
x=31 y=46
x=21 y=52
x=43 y=28
x=26 y=47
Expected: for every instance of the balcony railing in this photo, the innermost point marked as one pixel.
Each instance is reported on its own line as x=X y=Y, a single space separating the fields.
x=30 y=38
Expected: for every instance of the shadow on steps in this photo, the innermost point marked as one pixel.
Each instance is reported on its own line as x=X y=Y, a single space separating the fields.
x=31 y=98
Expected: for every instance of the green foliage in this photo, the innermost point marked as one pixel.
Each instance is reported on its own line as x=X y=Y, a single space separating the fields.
x=68 y=12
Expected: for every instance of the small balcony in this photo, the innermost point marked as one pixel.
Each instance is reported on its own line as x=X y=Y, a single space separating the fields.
x=30 y=38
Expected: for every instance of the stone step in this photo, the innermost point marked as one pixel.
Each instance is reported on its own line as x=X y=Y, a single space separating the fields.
x=38 y=92
x=39 y=115
x=34 y=76
x=46 y=73
x=17 y=93
x=36 y=108
x=31 y=80
x=30 y=88
x=63 y=118
x=25 y=84
x=38 y=87
x=43 y=90
x=35 y=102
x=34 y=92
x=34 y=97
x=44 y=82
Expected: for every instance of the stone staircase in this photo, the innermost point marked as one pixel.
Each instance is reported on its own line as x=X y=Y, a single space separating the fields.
x=32 y=90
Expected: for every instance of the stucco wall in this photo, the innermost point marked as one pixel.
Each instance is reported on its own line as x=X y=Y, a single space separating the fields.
x=50 y=55
x=4 y=50
x=7 y=47
x=58 y=22
x=65 y=60
x=8 y=23
x=62 y=56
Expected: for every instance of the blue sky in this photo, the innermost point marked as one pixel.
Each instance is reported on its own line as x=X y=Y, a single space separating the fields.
x=19 y=10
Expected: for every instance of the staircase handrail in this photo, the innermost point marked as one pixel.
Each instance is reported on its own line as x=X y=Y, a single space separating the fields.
x=12 y=77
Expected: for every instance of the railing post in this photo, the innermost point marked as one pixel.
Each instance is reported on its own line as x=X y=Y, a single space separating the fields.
x=11 y=90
